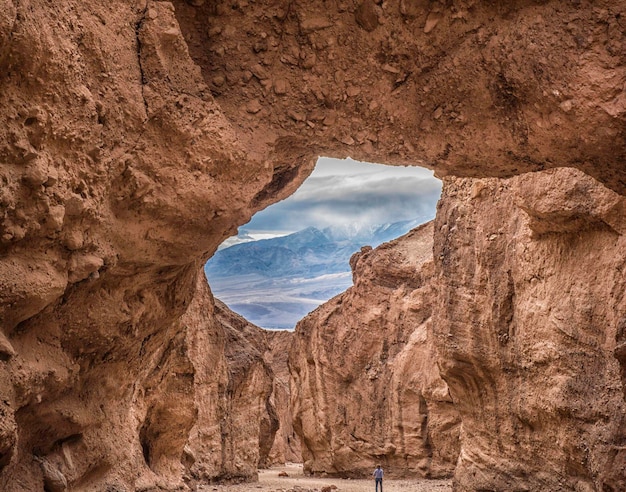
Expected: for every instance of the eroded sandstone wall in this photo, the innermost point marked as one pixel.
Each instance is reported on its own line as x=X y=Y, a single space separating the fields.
x=236 y=422
x=286 y=447
x=365 y=384
x=115 y=165
x=529 y=325
x=469 y=87
x=125 y=161
x=253 y=417
x=524 y=316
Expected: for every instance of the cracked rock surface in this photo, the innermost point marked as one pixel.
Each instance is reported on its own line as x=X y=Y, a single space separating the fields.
x=529 y=330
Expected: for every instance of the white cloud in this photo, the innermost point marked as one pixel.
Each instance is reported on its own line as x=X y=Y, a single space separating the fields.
x=343 y=192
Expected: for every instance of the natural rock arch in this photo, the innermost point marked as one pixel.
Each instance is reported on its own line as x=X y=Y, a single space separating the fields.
x=468 y=88
x=124 y=164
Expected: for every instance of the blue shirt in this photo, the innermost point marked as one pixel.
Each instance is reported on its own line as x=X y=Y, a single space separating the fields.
x=378 y=473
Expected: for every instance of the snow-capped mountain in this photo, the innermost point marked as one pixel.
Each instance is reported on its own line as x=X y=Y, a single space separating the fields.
x=275 y=282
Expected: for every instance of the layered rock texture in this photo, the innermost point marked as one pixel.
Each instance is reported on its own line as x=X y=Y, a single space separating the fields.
x=286 y=447
x=136 y=136
x=252 y=418
x=110 y=199
x=366 y=388
x=516 y=329
x=233 y=419
x=530 y=330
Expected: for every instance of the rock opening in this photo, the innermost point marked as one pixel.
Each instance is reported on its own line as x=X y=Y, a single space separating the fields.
x=295 y=255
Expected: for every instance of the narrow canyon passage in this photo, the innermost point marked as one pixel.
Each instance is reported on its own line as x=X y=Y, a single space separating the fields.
x=137 y=137
x=355 y=396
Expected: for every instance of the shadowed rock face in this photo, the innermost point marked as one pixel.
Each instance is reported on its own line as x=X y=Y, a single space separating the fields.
x=286 y=447
x=253 y=418
x=365 y=384
x=107 y=139
x=135 y=137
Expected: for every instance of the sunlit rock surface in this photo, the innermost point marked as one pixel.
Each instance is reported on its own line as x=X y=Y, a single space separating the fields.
x=529 y=328
x=365 y=383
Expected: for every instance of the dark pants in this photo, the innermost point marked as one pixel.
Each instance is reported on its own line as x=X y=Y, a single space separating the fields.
x=379 y=481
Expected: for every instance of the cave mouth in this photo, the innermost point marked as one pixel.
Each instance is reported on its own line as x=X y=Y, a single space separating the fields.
x=294 y=255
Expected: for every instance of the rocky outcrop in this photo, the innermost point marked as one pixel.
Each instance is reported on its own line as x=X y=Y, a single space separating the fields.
x=236 y=421
x=205 y=397
x=529 y=325
x=106 y=216
x=136 y=136
x=366 y=387
x=254 y=420
x=286 y=447
x=469 y=87
x=523 y=315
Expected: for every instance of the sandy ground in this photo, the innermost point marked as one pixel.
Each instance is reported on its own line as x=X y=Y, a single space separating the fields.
x=269 y=481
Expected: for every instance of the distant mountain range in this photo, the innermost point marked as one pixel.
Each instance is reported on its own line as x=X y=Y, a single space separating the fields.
x=275 y=282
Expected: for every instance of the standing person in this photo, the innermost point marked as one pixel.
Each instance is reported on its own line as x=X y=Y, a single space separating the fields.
x=378 y=477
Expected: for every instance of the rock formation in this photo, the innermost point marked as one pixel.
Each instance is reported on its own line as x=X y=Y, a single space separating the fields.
x=233 y=420
x=136 y=136
x=366 y=387
x=529 y=327
x=254 y=420
x=113 y=185
x=527 y=306
x=286 y=447
x=468 y=87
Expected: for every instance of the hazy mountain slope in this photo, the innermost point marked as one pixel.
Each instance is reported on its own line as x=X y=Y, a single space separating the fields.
x=275 y=282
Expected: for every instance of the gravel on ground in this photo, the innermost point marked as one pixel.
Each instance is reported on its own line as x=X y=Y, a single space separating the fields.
x=297 y=481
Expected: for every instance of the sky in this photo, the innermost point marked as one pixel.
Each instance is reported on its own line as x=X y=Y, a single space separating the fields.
x=348 y=193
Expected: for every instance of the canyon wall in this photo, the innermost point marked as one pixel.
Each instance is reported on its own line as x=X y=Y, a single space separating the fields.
x=286 y=447
x=365 y=384
x=115 y=161
x=234 y=421
x=529 y=327
x=137 y=135
x=522 y=310
x=111 y=198
x=254 y=419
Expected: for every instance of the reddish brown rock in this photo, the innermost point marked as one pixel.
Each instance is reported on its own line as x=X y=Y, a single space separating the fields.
x=366 y=387
x=529 y=326
x=98 y=383
x=127 y=156
x=366 y=15
x=286 y=447
x=252 y=416
x=471 y=88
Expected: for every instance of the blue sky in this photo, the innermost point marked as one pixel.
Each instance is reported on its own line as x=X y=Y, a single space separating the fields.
x=347 y=193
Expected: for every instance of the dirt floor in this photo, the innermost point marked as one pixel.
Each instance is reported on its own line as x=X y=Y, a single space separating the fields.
x=269 y=481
